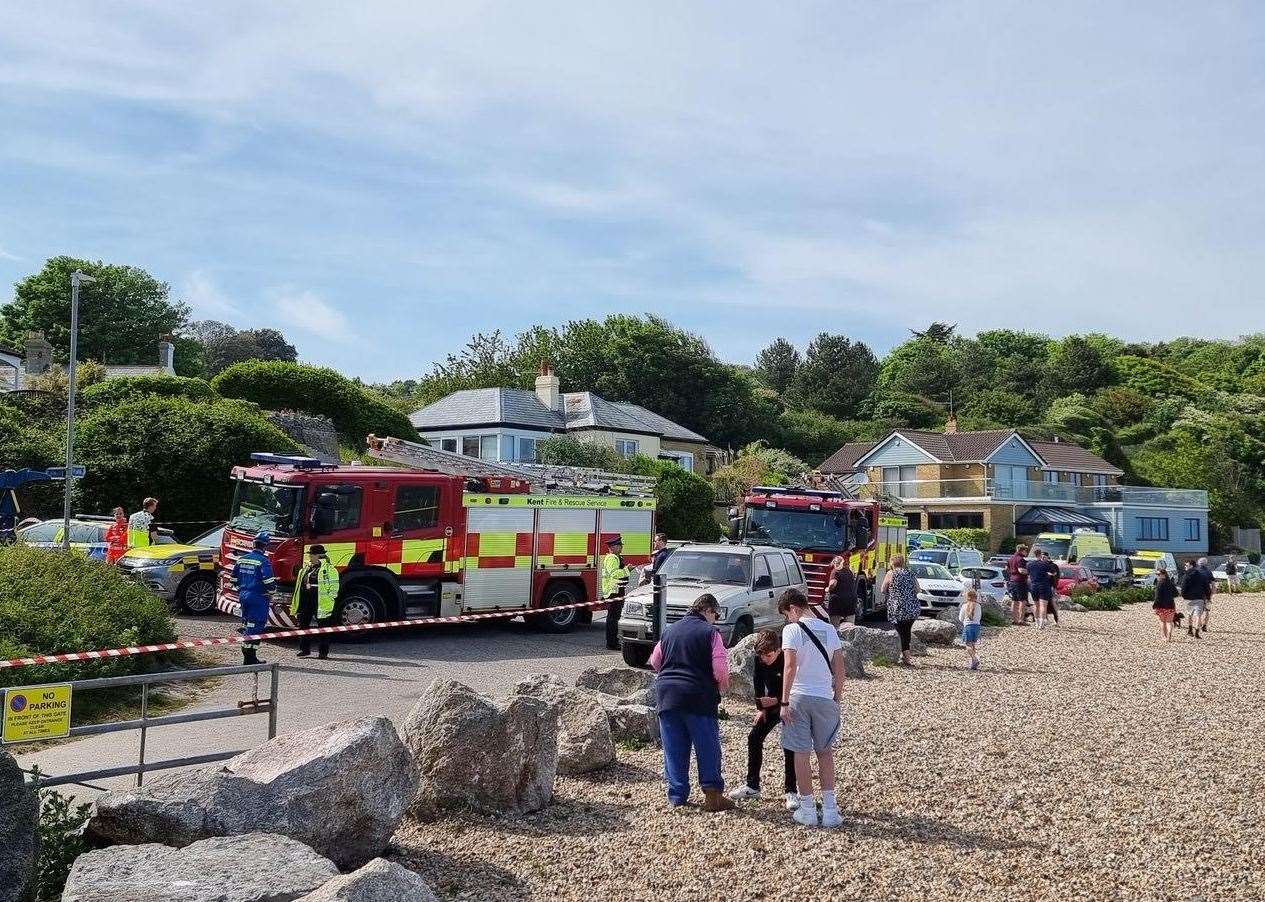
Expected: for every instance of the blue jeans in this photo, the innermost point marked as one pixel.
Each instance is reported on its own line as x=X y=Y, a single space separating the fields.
x=679 y=731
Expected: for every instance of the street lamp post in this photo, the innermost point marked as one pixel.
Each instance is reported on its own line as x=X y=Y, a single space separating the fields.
x=77 y=278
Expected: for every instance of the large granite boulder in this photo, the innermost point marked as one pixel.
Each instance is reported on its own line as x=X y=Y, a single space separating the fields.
x=742 y=658
x=474 y=752
x=584 y=732
x=19 y=833
x=935 y=632
x=378 y=881
x=875 y=643
x=854 y=661
x=340 y=788
x=638 y=724
x=620 y=682
x=250 y=867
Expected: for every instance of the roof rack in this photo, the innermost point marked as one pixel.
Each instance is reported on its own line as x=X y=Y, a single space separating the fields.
x=545 y=479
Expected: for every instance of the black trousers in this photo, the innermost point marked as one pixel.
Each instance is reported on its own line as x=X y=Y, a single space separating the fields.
x=306 y=617
x=615 y=608
x=905 y=629
x=755 y=751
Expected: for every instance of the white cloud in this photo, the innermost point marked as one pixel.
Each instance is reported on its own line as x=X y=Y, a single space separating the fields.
x=206 y=299
x=5 y=255
x=307 y=312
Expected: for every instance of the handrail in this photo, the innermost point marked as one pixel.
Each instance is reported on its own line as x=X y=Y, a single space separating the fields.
x=983 y=488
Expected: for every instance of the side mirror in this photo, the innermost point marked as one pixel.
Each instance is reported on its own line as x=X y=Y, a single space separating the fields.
x=765 y=581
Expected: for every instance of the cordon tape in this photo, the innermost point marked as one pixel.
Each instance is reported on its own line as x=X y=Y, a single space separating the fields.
x=69 y=657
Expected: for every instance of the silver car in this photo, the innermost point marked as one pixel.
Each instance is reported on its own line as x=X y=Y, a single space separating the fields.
x=746 y=580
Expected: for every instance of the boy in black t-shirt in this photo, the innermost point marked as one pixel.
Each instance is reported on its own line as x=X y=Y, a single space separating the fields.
x=768 y=695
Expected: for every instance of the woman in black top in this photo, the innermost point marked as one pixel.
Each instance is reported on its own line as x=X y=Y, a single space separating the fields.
x=841 y=592
x=1165 y=604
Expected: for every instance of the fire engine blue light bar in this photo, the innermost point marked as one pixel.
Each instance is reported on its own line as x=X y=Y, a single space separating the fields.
x=286 y=460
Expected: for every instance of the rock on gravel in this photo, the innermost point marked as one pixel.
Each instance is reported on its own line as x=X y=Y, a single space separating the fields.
x=878 y=643
x=634 y=723
x=378 y=881
x=584 y=732
x=477 y=753
x=935 y=632
x=620 y=682
x=341 y=788
x=854 y=661
x=252 y=867
x=742 y=669
x=19 y=840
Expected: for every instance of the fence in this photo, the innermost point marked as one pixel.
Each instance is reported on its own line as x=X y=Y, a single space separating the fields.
x=145 y=722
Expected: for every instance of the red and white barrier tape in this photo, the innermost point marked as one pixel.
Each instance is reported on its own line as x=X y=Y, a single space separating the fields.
x=70 y=657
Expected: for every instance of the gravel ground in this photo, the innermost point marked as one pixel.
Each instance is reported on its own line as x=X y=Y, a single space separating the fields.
x=1090 y=761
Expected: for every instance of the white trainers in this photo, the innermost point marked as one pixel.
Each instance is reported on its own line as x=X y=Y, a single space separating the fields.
x=830 y=817
x=744 y=794
x=792 y=801
x=805 y=816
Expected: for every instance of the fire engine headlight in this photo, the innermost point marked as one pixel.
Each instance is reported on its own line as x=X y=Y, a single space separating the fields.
x=634 y=609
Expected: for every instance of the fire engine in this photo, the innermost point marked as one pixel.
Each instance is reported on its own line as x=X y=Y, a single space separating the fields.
x=818 y=524
x=444 y=535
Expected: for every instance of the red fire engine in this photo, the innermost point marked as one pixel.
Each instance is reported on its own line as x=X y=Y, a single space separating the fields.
x=453 y=535
x=818 y=525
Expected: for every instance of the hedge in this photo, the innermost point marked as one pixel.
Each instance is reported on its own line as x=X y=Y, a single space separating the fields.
x=56 y=602
x=980 y=539
x=277 y=385
x=118 y=391
x=176 y=450
x=1110 y=599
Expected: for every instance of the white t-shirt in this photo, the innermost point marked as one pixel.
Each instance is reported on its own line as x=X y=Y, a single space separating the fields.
x=812 y=674
x=976 y=614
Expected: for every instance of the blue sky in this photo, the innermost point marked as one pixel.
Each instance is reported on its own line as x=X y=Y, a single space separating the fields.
x=380 y=180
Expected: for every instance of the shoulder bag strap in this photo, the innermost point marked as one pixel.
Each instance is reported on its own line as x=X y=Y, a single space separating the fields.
x=821 y=648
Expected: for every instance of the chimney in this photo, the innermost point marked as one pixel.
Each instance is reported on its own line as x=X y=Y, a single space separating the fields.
x=39 y=354
x=167 y=354
x=549 y=387
x=951 y=426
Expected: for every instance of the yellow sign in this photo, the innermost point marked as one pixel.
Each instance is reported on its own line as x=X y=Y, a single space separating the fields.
x=892 y=521
x=36 y=712
x=588 y=502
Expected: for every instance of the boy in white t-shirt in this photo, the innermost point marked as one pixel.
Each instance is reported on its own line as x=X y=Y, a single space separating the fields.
x=811 y=690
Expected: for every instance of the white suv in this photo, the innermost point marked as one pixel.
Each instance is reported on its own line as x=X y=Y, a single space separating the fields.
x=746 y=580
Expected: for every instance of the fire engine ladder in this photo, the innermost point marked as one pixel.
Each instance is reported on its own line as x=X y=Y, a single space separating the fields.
x=545 y=479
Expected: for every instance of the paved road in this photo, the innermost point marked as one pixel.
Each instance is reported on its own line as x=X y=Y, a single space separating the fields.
x=384 y=675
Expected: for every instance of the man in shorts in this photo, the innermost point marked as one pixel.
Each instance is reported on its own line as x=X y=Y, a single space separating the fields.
x=1196 y=588
x=812 y=687
x=1232 y=575
x=1044 y=574
x=1017 y=584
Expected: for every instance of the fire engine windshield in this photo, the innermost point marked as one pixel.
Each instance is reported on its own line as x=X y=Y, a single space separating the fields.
x=825 y=530
x=277 y=509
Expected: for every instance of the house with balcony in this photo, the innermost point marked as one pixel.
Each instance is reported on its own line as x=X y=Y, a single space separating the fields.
x=507 y=423
x=1013 y=486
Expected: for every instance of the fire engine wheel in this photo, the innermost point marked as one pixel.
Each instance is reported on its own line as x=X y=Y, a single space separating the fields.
x=559 y=621
x=358 y=605
x=197 y=594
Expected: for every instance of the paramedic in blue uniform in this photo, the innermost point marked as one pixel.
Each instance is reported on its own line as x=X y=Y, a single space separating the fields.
x=254 y=582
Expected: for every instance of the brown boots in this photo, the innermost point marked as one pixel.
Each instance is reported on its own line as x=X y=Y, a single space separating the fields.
x=714 y=800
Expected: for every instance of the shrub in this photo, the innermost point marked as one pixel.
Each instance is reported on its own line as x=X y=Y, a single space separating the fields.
x=566 y=451
x=56 y=602
x=991 y=617
x=970 y=538
x=1111 y=599
x=277 y=385
x=118 y=391
x=61 y=841
x=685 y=505
x=811 y=435
x=176 y=450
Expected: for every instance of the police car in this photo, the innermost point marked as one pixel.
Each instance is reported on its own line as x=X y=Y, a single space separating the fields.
x=181 y=574
x=87 y=535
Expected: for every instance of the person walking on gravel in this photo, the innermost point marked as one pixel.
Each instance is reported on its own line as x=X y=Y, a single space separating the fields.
x=1210 y=583
x=841 y=592
x=1231 y=575
x=812 y=689
x=969 y=615
x=1195 y=593
x=900 y=589
x=1043 y=574
x=1017 y=584
x=767 y=682
x=1165 y=604
x=693 y=672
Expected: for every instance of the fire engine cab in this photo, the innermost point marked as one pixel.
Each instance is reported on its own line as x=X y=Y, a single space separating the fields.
x=454 y=535
x=818 y=525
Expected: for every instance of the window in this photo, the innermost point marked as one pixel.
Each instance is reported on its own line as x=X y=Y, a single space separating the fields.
x=777 y=567
x=448 y=444
x=625 y=447
x=1154 y=529
x=955 y=521
x=1010 y=481
x=1049 y=476
x=761 y=569
x=86 y=534
x=526 y=450
x=900 y=481
x=1194 y=529
x=792 y=567
x=470 y=446
x=416 y=507
x=1074 y=478
x=348 y=500
x=41 y=532
x=487 y=447
x=1099 y=480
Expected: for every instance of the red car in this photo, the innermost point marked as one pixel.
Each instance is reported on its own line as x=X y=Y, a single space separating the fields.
x=1072 y=575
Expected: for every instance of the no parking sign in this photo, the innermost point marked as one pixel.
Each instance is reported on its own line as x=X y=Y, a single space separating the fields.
x=37 y=712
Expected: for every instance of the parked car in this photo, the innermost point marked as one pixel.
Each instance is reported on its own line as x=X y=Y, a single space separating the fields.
x=1109 y=569
x=986 y=579
x=1144 y=564
x=1073 y=575
x=181 y=574
x=998 y=560
x=746 y=580
x=87 y=534
x=937 y=587
x=1247 y=571
x=952 y=558
x=922 y=538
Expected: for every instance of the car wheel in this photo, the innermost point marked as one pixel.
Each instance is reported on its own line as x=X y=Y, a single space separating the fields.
x=359 y=605
x=635 y=654
x=559 y=621
x=742 y=629
x=197 y=594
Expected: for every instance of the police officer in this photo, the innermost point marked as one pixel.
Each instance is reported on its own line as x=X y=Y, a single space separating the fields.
x=614 y=578
x=141 y=531
x=252 y=578
x=315 y=592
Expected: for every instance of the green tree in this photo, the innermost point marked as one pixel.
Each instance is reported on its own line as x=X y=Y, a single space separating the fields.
x=937 y=332
x=566 y=451
x=1078 y=365
x=994 y=408
x=121 y=315
x=222 y=345
x=922 y=367
x=777 y=365
x=837 y=375
x=814 y=436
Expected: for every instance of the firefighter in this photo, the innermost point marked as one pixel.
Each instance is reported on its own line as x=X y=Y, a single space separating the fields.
x=315 y=591
x=252 y=578
x=140 y=526
x=614 y=578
